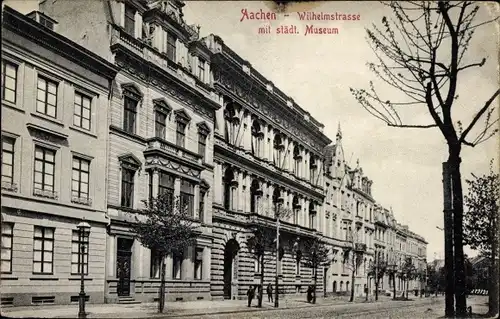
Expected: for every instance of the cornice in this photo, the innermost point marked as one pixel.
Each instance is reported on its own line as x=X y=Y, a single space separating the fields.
x=32 y=30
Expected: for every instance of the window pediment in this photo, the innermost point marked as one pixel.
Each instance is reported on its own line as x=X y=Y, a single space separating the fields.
x=130 y=161
x=132 y=91
x=182 y=116
x=162 y=105
x=203 y=128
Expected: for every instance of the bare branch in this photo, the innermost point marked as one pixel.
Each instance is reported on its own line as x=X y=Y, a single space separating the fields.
x=413 y=126
x=478 y=115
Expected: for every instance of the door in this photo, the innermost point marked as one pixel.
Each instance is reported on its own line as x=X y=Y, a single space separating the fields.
x=123 y=261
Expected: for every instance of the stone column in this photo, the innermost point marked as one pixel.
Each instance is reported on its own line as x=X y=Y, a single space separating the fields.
x=156 y=182
x=271 y=145
x=219 y=117
x=196 y=204
x=239 y=191
x=290 y=155
x=217 y=183
x=111 y=255
x=169 y=267
x=265 y=145
x=247 y=134
x=177 y=186
x=270 y=208
x=284 y=161
x=306 y=165
x=248 y=183
x=290 y=206
x=306 y=212
x=206 y=263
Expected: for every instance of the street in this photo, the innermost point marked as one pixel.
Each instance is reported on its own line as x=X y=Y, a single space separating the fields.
x=390 y=309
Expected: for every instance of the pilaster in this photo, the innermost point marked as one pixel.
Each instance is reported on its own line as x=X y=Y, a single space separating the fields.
x=156 y=182
x=239 y=191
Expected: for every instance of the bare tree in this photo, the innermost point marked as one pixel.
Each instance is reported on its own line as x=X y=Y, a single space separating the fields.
x=353 y=256
x=421 y=54
x=377 y=269
x=165 y=227
x=315 y=254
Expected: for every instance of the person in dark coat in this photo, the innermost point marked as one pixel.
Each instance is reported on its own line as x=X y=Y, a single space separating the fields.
x=250 y=294
x=270 y=292
x=309 y=293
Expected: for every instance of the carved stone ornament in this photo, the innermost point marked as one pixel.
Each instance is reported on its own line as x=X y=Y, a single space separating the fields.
x=174 y=166
x=47 y=135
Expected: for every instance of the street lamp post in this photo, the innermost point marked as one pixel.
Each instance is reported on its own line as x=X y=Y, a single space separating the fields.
x=276 y=279
x=83 y=236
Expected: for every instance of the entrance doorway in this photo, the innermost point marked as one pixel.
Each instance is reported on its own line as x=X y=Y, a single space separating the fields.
x=123 y=261
x=230 y=271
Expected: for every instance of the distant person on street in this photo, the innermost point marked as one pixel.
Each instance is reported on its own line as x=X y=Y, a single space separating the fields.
x=270 y=292
x=250 y=294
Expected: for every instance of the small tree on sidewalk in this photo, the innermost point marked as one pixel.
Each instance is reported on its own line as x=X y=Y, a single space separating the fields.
x=165 y=228
x=315 y=254
x=352 y=260
x=262 y=244
x=408 y=272
x=481 y=225
x=377 y=271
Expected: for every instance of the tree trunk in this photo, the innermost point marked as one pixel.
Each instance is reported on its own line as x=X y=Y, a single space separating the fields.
x=161 y=297
x=448 y=243
x=353 y=278
x=493 y=276
x=261 y=295
x=394 y=286
x=458 y=212
x=315 y=279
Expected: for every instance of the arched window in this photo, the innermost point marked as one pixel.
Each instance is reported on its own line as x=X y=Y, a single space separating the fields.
x=257 y=138
x=232 y=122
x=297 y=159
x=341 y=285
x=277 y=201
x=312 y=215
x=313 y=165
x=296 y=209
x=230 y=185
x=335 y=286
x=278 y=150
x=255 y=195
x=347 y=286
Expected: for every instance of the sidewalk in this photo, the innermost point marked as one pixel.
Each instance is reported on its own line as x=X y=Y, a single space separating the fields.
x=172 y=309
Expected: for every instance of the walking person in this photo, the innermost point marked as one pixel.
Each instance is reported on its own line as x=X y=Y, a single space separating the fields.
x=250 y=294
x=270 y=292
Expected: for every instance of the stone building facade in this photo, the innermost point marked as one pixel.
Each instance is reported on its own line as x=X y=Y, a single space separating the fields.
x=190 y=117
x=160 y=136
x=55 y=96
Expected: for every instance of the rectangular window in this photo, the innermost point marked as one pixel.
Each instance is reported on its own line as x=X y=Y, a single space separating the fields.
x=9 y=81
x=187 y=197
x=155 y=268
x=160 y=124
x=202 y=145
x=47 y=23
x=201 y=207
x=166 y=186
x=198 y=263
x=201 y=69
x=8 y=160
x=80 y=178
x=7 y=232
x=81 y=115
x=129 y=115
x=171 y=47
x=177 y=265
x=181 y=134
x=44 y=169
x=46 y=101
x=76 y=254
x=130 y=20
x=43 y=250
x=127 y=187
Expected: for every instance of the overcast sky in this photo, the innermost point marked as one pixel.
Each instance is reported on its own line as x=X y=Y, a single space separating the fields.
x=317 y=71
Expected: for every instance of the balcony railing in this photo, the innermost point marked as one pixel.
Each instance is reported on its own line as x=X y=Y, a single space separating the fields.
x=158 y=143
x=8 y=186
x=45 y=193
x=360 y=247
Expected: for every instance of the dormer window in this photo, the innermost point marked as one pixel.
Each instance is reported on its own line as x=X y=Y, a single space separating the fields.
x=43 y=19
x=171 y=46
x=129 y=20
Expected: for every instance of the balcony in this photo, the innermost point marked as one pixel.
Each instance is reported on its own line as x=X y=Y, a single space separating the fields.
x=175 y=151
x=271 y=167
x=8 y=186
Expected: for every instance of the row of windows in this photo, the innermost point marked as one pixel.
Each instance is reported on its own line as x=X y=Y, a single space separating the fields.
x=44 y=170
x=47 y=96
x=165 y=186
x=130 y=119
x=43 y=250
x=177 y=261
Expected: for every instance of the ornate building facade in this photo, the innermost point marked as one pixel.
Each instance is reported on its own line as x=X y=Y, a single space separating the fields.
x=160 y=136
x=55 y=96
x=190 y=117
